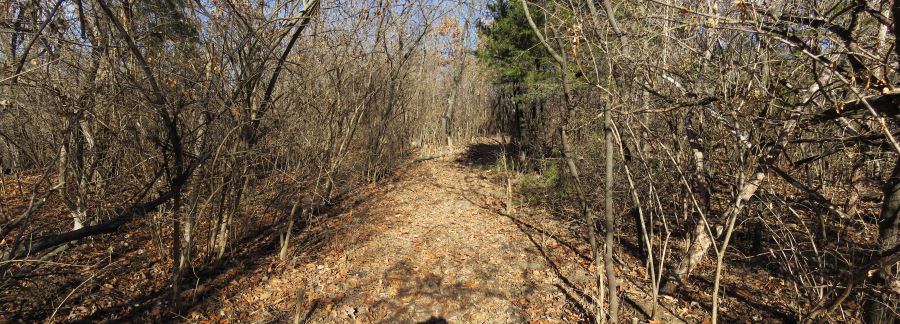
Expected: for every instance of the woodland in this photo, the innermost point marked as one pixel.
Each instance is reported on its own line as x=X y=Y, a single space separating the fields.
x=596 y=161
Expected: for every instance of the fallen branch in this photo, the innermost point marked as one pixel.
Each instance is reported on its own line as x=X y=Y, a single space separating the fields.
x=124 y=216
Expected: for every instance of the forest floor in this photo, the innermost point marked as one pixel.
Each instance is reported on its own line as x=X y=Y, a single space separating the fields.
x=432 y=244
x=428 y=245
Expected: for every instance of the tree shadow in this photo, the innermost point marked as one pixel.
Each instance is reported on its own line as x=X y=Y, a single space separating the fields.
x=434 y=320
x=584 y=301
x=486 y=155
x=249 y=253
x=575 y=296
x=776 y=314
x=207 y=281
x=420 y=294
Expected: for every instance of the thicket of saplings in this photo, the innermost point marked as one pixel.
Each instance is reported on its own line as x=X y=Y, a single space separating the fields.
x=196 y=127
x=761 y=134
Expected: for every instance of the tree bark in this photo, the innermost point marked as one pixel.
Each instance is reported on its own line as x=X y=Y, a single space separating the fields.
x=610 y=240
x=856 y=176
x=561 y=59
x=704 y=233
x=881 y=307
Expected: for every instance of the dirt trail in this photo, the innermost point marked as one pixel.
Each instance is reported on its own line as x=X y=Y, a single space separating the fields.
x=437 y=251
x=429 y=245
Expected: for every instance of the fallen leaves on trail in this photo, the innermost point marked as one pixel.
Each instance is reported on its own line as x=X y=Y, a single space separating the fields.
x=431 y=245
x=431 y=242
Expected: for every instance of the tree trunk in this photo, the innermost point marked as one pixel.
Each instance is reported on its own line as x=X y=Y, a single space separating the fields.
x=286 y=238
x=852 y=204
x=562 y=60
x=702 y=235
x=699 y=240
x=610 y=241
x=881 y=307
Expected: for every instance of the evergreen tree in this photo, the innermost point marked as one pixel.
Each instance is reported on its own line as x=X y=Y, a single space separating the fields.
x=510 y=47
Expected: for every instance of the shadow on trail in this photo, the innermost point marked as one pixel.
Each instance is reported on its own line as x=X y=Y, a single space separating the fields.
x=478 y=155
x=434 y=320
x=584 y=301
x=423 y=294
x=486 y=154
x=248 y=253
